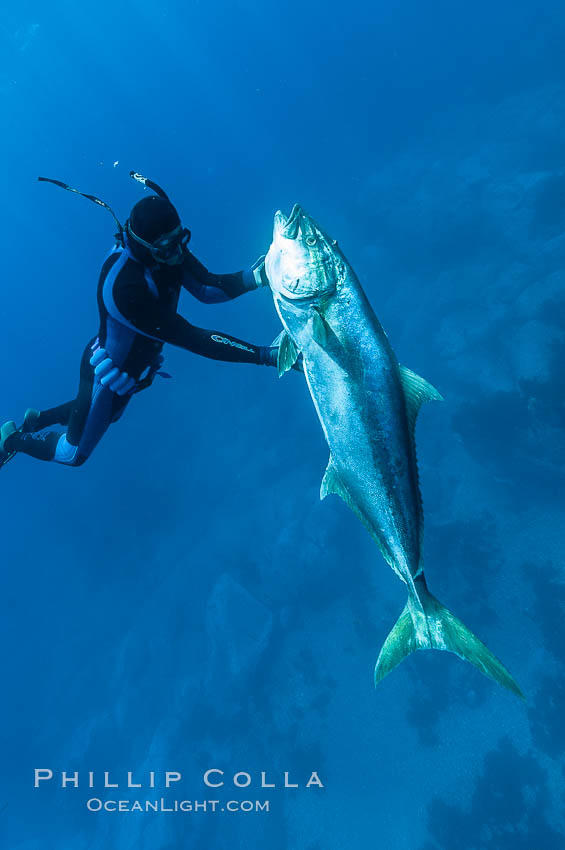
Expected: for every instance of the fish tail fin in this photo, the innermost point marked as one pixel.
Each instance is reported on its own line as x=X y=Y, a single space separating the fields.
x=429 y=625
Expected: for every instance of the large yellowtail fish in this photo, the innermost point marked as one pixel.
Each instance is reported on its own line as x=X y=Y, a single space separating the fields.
x=367 y=404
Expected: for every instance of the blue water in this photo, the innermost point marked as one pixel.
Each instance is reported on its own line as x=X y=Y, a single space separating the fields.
x=183 y=601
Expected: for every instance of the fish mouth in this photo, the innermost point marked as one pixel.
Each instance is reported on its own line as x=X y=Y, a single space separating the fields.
x=279 y=222
x=289 y=227
x=292 y=225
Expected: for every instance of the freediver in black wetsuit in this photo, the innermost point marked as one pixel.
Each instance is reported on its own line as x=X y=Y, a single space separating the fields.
x=138 y=293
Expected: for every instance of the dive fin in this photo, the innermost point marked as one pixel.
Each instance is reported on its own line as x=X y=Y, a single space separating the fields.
x=416 y=391
x=288 y=352
x=5 y=458
x=434 y=627
x=7 y=429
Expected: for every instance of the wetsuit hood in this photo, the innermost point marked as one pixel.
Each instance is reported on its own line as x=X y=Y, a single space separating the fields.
x=152 y=217
x=155 y=232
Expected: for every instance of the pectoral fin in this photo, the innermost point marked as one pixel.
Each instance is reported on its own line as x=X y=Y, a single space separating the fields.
x=319 y=330
x=288 y=352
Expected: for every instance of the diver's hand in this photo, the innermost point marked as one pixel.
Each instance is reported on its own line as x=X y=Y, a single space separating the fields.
x=259 y=273
x=269 y=355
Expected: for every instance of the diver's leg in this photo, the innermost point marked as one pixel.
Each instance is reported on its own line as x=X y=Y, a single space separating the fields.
x=84 y=434
x=52 y=445
x=40 y=446
x=43 y=445
x=88 y=417
x=37 y=420
x=92 y=413
x=89 y=421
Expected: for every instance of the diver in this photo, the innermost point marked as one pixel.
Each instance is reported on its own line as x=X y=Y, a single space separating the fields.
x=138 y=292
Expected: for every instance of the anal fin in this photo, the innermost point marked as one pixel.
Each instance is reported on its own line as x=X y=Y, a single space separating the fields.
x=331 y=483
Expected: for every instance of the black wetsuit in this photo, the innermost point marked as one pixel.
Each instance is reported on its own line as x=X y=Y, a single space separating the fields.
x=138 y=314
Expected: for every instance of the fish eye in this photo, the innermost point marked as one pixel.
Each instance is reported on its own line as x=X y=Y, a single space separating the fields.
x=310 y=240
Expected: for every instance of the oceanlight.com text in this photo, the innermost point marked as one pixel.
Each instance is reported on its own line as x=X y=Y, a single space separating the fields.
x=95 y=804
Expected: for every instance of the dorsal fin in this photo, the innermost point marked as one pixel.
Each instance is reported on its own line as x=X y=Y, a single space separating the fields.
x=416 y=391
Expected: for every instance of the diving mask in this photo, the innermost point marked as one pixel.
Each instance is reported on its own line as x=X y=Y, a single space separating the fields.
x=169 y=248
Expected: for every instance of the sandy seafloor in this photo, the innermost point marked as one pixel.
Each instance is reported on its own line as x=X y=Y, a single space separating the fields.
x=184 y=601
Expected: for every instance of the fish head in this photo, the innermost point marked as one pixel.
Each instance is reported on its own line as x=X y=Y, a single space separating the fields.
x=303 y=263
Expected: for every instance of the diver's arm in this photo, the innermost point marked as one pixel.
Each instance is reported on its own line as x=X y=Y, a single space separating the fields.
x=214 y=288
x=140 y=310
x=214 y=344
